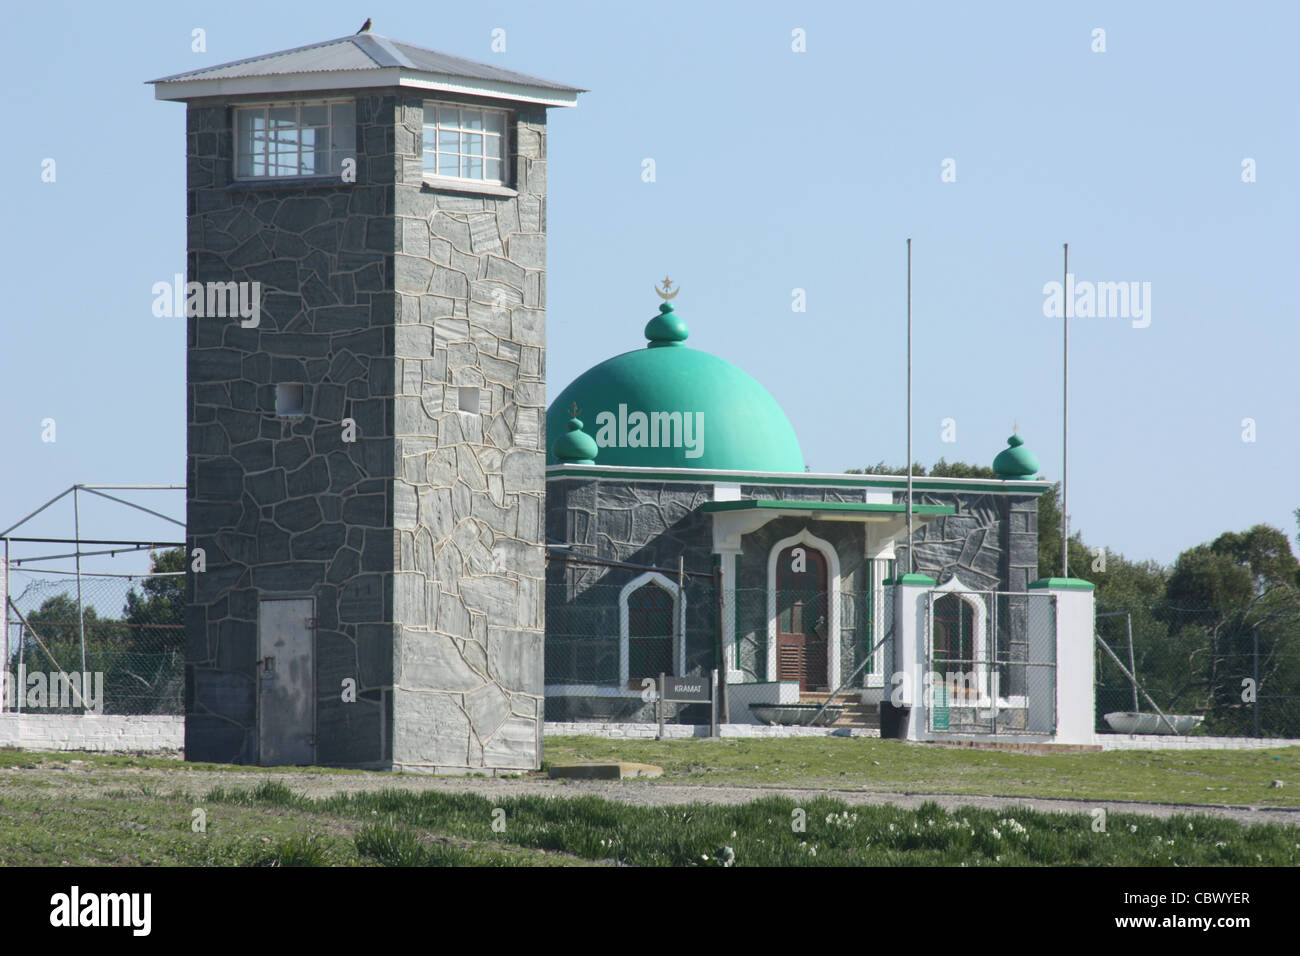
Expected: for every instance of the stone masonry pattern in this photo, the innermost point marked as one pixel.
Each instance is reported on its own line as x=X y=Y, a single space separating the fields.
x=419 y=540
x=991 y=543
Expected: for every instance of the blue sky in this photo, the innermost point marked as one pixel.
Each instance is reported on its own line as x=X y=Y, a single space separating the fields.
x=775 y=170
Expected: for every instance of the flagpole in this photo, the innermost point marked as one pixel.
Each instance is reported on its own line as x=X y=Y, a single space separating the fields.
x=1065 y=423
x=911 y=561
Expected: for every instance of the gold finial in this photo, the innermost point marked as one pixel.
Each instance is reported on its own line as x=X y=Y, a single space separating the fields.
x=668 y=291
x=1015 y=427
x=573 y=410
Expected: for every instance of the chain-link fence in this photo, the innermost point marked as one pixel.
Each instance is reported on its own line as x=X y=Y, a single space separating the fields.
x=991 y=657
x=612 y=628
x=1238 y=668
x=124 y=654
x=823 y=640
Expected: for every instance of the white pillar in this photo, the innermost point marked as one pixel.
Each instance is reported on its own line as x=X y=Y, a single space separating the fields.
x=1075 y=656
x=734 y=674
x=906 y=685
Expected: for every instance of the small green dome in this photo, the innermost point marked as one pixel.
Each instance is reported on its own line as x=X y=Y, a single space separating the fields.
x=575 y=446
x=671 y=406
x=666 y=328
x=1016 y=461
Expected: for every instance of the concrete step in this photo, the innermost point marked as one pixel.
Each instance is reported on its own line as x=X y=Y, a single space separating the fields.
x=853 y=713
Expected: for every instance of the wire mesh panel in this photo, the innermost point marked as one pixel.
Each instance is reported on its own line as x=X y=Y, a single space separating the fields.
x=1234 y=665
x=134 y=646
x=990 y=662
x=820 y=641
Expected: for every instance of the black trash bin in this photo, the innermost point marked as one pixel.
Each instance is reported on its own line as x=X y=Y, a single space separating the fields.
x=893 y=720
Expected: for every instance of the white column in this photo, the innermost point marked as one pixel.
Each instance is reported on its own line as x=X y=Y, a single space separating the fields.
x=879 y=552
x=1075 y=655
x=734 y=674
x=907 y=686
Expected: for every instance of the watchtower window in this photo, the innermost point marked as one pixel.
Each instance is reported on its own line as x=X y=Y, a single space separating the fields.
x=462 y=142
x=290 y=401
x=294 y=139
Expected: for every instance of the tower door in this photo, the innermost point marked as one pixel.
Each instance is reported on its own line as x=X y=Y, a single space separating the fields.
x=802 y=627
x=286 y=712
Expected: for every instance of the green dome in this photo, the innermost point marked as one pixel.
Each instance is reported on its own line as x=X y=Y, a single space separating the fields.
x=671 y=406
x=575 y=446
x=1016 y=461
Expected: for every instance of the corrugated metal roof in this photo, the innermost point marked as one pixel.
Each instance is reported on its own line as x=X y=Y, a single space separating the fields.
x=366 y=51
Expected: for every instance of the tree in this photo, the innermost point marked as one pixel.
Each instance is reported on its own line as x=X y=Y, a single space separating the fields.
x=1235 y=601
x=163 y=601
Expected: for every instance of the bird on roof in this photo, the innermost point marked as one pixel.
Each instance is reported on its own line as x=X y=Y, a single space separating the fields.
x=365 y=27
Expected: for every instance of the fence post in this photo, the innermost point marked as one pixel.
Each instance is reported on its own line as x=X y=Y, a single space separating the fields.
x=659 y=706
x=721 y=703
x=713 y=705
x=4 y=608
x=81 y=613
x=1255 y=673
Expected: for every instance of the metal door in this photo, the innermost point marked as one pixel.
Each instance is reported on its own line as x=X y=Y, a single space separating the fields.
x=286 y=731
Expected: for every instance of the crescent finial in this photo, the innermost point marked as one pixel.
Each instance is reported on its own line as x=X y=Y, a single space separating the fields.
x=668 y=292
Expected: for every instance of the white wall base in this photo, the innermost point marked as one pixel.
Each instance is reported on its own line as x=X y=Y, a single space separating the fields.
x=687 y=731
x=106 y=732
x=1169 y=742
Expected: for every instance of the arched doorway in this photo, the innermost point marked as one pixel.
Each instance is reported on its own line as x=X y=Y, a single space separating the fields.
x=802 y=617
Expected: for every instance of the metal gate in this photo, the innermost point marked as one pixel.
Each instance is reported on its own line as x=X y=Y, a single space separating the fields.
x=990 y=662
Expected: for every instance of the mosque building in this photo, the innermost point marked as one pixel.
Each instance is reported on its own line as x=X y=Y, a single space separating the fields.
x=672 y=475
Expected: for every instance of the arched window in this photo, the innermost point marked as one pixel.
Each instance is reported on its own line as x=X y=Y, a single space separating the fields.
x=954 y=634
x=649 y=632
x=652 y=619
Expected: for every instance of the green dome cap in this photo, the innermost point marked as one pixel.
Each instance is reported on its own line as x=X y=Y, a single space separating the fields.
x=666 y=328
x=672 y=406
x=575 y=447
x=1016 y=462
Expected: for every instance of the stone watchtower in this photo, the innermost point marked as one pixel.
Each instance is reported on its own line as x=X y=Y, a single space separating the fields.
x=365 y=390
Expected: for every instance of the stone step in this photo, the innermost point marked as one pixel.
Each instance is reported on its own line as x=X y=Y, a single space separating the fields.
x=853 y=713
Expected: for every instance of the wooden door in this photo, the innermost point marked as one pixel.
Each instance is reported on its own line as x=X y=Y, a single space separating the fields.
x=802 y=610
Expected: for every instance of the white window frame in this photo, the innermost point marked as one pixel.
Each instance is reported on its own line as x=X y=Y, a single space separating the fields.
x=298 y=105
x=650 y=578
x=431 y=139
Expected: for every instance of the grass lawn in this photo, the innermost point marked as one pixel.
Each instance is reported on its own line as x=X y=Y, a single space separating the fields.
x=1238 y=777
x=271 y=826
x=126 y=820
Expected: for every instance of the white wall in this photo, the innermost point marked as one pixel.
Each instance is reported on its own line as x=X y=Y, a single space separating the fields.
x=106 y=732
